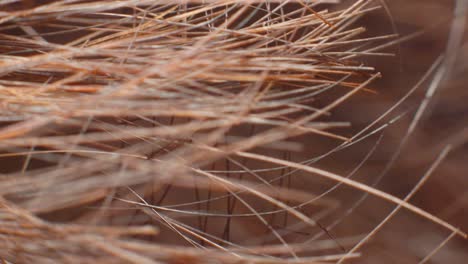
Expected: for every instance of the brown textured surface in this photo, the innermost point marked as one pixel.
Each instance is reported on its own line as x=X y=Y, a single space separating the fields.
x=407 y=238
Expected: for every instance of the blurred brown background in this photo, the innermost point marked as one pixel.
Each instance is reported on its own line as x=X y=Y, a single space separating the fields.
x=407 y=238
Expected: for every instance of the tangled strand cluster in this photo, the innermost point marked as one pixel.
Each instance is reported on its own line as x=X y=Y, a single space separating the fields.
x=131 y=126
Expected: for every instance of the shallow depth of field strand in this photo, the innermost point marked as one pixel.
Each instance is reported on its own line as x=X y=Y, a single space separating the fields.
x=145 y=131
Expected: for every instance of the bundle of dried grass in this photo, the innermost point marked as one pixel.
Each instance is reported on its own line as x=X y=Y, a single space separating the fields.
x=159 y=131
